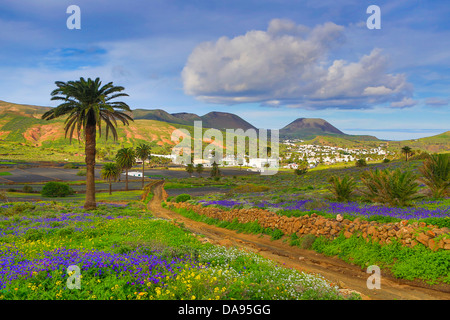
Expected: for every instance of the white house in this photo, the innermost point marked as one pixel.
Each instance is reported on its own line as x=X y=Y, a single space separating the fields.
x=205 y=163
x=134 y=174
x=260 y=162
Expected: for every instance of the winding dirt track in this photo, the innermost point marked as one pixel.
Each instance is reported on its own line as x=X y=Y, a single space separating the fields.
x=347 y=276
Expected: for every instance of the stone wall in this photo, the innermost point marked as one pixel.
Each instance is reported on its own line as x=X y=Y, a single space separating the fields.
x=408 y=234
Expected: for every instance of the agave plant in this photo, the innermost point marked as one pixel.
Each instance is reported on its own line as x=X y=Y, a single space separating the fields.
x=342 y=188
x=395 y=188
x=436 y=174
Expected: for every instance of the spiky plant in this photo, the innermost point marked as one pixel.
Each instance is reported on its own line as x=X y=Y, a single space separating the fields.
x=395 y=188
x=342 y=187
x=436 y=174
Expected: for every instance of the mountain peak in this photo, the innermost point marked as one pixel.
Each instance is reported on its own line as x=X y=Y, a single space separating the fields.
x=305 y=128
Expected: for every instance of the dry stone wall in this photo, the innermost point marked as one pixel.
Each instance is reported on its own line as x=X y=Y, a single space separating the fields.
x=408 y=234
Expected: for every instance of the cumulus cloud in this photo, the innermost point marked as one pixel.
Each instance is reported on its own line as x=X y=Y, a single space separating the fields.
x=288 y=64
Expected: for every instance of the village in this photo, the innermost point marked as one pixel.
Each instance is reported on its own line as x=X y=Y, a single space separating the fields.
x=294 y=156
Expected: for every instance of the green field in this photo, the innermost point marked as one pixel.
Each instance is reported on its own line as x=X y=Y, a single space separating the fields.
x=124 y=253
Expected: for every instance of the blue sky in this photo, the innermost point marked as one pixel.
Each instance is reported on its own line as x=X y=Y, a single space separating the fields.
x=269 y=62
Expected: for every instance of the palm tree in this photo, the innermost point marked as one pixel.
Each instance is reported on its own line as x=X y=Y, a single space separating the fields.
x=190 y=169
x=342 y=187
x=215 y=171
x=199 y=169
x=406 y=151
x=392 y=187
x=87 y=104
x=126 y=159
x=110 y=171
x=436 y=174
x=143 y=152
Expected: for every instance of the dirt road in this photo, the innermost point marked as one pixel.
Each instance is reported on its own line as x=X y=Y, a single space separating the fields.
x=347 y=276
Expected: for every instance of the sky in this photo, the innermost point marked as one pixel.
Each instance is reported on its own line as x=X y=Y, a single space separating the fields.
x=270 y=62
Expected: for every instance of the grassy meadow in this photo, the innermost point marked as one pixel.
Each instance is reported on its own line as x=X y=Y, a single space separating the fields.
x=124 y=252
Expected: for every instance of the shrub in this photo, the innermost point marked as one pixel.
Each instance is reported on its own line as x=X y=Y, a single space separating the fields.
x=436 y=174
x=386 y=160
x=395 y=188
x=276 y=234
x=81 y=172
x=215 y=171
x=307 y=241
x=182 y=197
x=300 y=171
x=27 y=189
x=70 y=166
x=361 y=163
x=56 y=189
x=342 y=188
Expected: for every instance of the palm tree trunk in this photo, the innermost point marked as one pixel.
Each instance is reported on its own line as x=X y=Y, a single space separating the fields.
x=143 y=163
x=126 y=179
x=90 y=202
x=110 y=188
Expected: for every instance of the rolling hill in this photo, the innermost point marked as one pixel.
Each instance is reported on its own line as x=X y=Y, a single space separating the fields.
x=22 y=130
x=214 y=119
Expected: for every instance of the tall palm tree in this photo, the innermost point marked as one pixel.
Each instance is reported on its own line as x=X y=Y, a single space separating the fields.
x=143 y=152
x=87 y=104
x=110 y=171
x=199 y=169
x=190 y=169
x=407 y=151
x=126 y=159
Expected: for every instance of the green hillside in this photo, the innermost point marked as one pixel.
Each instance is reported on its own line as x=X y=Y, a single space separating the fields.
x=437 y=143
x=345 y=141
x=25 y=136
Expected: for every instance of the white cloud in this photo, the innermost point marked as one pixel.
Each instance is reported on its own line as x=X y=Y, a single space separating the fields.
x=437 y=102
x=288 y=64
x=405 y=103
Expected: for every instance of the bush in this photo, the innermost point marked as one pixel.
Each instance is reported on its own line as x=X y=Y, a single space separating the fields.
x=436 y=174
x=395 y=188
x=361 y=163
x=300 y=171
x=27 y=189
x=56 y=189
x=342 y=188
x=386 y=160
x=307 y=241
x=81 y=172
x=182 y=197
x=70 y=166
